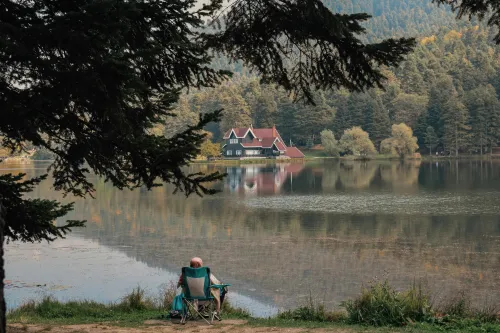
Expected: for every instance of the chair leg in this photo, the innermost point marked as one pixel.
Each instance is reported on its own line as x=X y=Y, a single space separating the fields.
x=198 y=313
x=184 y=312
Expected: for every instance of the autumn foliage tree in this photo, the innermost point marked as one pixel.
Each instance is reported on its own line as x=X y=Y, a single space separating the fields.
x=357 y=142
x=402 y=142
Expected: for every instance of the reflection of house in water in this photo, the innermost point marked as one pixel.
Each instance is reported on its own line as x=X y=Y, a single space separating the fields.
x=260 y=178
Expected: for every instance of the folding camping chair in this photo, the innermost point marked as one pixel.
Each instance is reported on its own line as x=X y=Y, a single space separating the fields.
x=196 y=284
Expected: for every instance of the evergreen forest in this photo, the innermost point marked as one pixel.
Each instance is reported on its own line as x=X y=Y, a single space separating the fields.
x=446 y=90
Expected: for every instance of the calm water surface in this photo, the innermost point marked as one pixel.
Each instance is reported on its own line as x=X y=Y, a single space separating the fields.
x=280 y=233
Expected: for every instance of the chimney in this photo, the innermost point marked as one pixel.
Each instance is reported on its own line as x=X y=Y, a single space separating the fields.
x=275 y=134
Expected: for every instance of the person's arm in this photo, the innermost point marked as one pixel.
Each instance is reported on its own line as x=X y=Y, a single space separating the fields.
x=180 y=281
x=213 y=279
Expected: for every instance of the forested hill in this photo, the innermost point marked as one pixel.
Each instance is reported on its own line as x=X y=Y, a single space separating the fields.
x=448 y=86
x=398 y=18
x=390 y=19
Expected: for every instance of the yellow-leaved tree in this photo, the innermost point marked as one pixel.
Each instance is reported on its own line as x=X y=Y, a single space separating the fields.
x=355 y=141
x=402 y=142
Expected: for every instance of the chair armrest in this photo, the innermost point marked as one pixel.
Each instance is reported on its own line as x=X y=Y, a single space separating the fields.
x=219 y=285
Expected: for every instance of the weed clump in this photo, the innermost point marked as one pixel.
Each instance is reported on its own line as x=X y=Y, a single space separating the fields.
x=137 y=300
x=167 y=295
x=381 y=305
x=312 y=311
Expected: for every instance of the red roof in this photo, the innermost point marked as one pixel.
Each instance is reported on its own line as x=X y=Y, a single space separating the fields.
x=254 y=143
x=293 y=152
x=267 y=142
x=280 y=146
x=263 y=132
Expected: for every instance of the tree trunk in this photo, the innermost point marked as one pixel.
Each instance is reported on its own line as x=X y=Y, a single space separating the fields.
x=456 y=141
x=3 y=322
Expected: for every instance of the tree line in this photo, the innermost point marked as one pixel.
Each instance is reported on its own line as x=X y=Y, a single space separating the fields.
x=447 y=91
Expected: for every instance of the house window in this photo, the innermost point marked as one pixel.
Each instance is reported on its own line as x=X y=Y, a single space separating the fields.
x=238 y=152
x=229 y=152
x=252 y=152
x=232 y=141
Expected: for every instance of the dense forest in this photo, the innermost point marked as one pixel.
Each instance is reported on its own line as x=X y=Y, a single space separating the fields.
x=446 y=90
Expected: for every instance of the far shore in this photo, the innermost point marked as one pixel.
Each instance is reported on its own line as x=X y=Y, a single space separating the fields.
x=317 y=156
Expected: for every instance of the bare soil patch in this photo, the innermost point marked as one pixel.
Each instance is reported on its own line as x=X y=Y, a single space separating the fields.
x=165 y=327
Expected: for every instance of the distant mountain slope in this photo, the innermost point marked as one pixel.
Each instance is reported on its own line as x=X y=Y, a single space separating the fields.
x=398 y=18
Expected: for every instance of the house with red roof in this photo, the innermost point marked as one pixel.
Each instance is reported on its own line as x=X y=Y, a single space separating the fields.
x=249 y=142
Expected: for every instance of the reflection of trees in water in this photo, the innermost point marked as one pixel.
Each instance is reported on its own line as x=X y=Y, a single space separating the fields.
x=357 y=175
x=401 y=176
x=280 y=252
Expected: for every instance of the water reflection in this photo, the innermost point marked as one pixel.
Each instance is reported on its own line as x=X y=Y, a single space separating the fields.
x=261 y=179
x=279 y=232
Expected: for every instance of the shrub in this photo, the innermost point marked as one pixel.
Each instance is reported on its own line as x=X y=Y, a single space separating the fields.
x=387 y=148
x=329 y=143
x=136 y=300
x=380 y=305
x=312 y=312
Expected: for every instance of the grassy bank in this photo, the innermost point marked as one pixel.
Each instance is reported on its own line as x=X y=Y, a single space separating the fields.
x=379 y=308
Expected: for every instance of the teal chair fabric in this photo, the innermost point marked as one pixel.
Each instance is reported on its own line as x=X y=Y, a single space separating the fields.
x=196 y=283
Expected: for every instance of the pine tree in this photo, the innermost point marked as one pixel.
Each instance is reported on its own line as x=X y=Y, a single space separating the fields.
x=431 y=139
x=412 y=81
x=408 y=108
x=377 y=122
x=236 y=112
x=455 y=130
x=342 y=120
x=440 y=93
x=309 y=119
x=359 y=108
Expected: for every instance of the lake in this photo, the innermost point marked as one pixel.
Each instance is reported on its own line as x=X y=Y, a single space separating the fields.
x=279 y=234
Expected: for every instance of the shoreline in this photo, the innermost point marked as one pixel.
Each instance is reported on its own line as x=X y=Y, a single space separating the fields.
x=424 y=158
x=378 y=308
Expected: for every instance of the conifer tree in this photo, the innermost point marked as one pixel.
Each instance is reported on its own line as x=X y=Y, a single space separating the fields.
x=440 y=94
x=431 y=139
x=236 y=110
x=455 y=129
x=377 y=122
x=484 y=109
x=412 y=81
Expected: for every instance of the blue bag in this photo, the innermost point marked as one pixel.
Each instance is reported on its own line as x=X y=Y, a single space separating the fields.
x=177 y=306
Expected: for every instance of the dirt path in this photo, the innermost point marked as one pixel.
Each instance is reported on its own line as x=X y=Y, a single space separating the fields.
x=165 y=327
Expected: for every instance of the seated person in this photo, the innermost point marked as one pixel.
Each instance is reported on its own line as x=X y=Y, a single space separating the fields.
x=216 y=292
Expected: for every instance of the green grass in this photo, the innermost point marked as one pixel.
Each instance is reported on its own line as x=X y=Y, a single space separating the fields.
x=378 y=308
x=133 y=309
x=313 y=153
x=50 y=311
